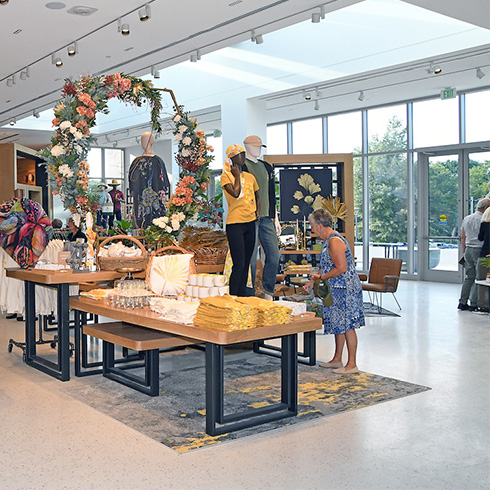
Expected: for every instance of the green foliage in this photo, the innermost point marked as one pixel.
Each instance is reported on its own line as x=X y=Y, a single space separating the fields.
x=387 y=186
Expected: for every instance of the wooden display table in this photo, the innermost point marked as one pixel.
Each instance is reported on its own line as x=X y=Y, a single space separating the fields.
x=216 y=421
x=61 y=282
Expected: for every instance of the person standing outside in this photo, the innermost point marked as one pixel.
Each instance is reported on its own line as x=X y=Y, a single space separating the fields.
x=117 y=198
x=470 y=227
x=266 y=228
x=241 y=191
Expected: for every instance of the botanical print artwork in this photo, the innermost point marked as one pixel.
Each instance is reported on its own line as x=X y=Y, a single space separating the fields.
x=303 y=191
x=306 y=197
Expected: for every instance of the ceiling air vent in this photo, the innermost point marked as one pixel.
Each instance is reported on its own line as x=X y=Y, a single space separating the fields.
x=82 y=11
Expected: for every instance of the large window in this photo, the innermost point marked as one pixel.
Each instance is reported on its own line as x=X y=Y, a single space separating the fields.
x=114 y=164
x=277 y=139
x=381 y=172
x=344 y=133
x=307 y=136
x=387 y=121
x=94 y=159
x=478 y=116
x=435 y=123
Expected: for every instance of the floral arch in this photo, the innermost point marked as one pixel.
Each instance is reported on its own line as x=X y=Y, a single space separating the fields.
x=75 y=114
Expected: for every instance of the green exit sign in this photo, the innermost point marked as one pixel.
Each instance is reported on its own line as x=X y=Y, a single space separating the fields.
x=448 y=93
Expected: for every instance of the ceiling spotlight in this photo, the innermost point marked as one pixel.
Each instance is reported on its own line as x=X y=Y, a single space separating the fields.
x=56 y=61
x=193 y=58
x=11 y=81
x=72 y=49
x=36 y=114
x=361 y=96
x=12 y=121
x=480 y=73
x=434 y=69
x=198 y=54
x=145 y=13
x=123 y=28
x=256 y=38
x=25 y=73
x=317 y=105
x=154 y=73
x=317 y=16
x=306 y=95
x=114 y=145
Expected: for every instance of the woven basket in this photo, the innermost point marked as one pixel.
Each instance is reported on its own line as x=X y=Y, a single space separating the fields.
x=209 y=255
x=114 y=263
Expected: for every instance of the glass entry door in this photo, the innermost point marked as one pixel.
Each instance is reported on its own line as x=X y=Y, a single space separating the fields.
x=440 y=216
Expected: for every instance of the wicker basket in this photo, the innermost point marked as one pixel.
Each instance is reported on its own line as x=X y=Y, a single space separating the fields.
x=115 y=263
x=209 y=255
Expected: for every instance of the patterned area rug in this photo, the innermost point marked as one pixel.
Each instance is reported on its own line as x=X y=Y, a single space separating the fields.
x=176 y=418
x=373 y=310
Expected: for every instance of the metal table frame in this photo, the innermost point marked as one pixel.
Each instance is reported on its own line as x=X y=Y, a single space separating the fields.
x=60 y=369
x=219 y=423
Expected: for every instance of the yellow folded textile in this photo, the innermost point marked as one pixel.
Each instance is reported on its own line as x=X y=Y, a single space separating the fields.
x=268 y=313
x=224 y=313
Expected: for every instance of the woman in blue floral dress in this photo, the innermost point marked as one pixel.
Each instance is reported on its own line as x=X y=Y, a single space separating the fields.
x=346 y=313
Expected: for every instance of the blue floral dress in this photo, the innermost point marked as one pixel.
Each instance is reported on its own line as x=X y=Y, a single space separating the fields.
x=347 y=310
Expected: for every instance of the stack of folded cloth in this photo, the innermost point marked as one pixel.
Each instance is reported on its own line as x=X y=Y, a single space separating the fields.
x=268 y=312
x=228 y=313
x=173 y=310
x=224 y=313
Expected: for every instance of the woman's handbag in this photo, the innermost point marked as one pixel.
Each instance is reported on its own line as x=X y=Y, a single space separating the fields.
x=322 y=291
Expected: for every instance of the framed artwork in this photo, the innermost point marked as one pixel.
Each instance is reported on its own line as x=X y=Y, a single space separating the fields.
x=302 y=191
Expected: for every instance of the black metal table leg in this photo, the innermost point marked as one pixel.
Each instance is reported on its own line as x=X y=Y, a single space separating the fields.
x=256 y=416
x=61 y=369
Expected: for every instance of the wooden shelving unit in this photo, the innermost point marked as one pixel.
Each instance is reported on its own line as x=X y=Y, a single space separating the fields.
x=21 y=169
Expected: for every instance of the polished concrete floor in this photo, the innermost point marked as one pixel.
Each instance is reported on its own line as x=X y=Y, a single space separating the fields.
x=439 y=439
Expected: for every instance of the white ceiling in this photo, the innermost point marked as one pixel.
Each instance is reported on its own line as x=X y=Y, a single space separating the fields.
x=382 y=47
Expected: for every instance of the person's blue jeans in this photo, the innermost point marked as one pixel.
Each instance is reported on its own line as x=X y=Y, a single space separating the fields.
x=267 y=237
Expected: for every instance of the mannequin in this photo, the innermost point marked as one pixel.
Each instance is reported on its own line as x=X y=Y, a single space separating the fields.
x=266 y=228
x=148 y=184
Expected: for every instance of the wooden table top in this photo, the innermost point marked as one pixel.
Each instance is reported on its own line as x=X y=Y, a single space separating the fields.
x=146 y=318
x=43 y=276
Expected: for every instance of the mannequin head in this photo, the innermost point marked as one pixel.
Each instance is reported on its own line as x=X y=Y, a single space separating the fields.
x=253 y=147
x=147 y=140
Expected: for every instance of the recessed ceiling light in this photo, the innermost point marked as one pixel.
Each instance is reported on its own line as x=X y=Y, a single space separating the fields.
x=129 y=49
x=82 y=11
x=55 y=5
x=17 y=31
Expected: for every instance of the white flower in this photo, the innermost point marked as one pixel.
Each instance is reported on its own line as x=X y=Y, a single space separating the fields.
x=78 y=135
x=182 y=128
x=178 y=136
x=187 y=141
x=177 y=118
x=65 y=125
x=57 y=150
x=78 y=148
x=180 y=216
x=185 y=152
x=65 y=170
x=72 y=128
x=175 y=225
x=76 y=219
x=168 y=229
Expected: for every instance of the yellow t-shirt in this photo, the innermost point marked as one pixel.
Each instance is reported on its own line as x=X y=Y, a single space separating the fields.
x=241 y=209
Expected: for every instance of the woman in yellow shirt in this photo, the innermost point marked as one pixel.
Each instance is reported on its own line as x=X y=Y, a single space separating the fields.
x=241 y=191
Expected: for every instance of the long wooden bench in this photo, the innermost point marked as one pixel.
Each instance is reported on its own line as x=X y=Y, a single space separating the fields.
x=140 y=339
